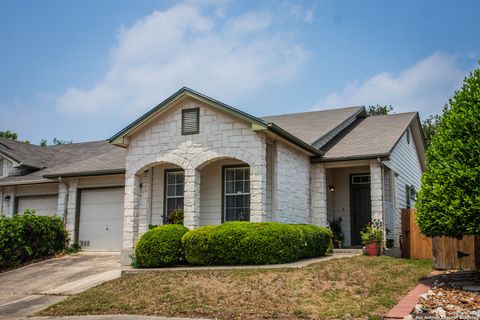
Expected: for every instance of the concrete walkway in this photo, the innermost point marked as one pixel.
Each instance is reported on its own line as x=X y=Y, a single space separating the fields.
x=32 y=288
x=337 y=254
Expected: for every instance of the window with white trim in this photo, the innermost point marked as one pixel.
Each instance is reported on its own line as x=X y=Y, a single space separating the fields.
x=360 y=179
x=236 y=197
x=174 y=182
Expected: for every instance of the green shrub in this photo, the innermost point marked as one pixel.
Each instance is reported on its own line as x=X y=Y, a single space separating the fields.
x=318 y=240
x=255 y=243
x=161 y=247
x=196 y=246
x=28 y=237
x=175 y=217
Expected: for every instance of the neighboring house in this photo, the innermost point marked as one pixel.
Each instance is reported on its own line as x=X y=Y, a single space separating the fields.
x=220 y=164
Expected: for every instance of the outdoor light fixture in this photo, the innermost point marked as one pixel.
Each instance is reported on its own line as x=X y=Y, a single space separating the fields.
x=331 y=188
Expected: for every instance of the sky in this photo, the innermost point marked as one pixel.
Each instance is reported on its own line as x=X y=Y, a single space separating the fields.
x=82 y=70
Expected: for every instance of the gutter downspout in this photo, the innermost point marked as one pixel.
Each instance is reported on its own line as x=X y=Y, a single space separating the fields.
x=383 y=203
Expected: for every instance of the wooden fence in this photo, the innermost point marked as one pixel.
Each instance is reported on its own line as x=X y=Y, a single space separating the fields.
x=414 y=244
x=444 y=251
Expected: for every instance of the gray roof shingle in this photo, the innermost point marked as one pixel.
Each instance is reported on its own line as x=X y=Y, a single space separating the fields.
x=311 y=126
x=72 y=159
x=368 y=137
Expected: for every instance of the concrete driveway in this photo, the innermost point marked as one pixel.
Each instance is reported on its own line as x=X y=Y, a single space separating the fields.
x=32 y=288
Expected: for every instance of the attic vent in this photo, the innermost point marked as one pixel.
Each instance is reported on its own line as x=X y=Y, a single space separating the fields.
x=190 y=121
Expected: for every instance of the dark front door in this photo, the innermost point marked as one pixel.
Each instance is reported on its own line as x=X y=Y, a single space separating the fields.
x=360 y=206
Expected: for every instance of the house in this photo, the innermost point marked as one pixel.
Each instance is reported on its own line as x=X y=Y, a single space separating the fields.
x=219 y=164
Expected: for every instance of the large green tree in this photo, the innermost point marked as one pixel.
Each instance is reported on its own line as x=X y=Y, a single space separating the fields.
x=448 y=201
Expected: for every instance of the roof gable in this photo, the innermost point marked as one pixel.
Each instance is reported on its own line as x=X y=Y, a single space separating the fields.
x=314 y=126
x=121 y=138
x=373 y=137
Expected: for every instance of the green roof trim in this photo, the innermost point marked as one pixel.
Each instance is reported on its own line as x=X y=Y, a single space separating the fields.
x=187 y=91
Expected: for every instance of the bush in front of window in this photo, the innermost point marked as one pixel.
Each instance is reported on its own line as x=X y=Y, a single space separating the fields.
x=175 y=217
x=160 y=247
x=26 y=237
x=241 y=243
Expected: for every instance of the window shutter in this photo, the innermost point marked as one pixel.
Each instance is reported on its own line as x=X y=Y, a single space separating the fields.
x=190 y=121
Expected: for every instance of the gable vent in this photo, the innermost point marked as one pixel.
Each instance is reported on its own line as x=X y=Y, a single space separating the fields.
x=190 y=121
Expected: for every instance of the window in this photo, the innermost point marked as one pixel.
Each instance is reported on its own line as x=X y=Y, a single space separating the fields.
x=1 y=167
x=408 y=136
x=174 y=180
x=410 y=195
x=361 y=179
x=236 y=197
x=190 y=121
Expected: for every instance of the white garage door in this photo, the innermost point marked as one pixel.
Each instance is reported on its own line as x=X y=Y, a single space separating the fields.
x=43 y=205
x=101 y=219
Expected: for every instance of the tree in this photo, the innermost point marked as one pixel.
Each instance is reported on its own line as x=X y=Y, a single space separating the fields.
x=379 y=110
x=429 y=127
x=448 y=201
x=8 y=134
x=55 y=142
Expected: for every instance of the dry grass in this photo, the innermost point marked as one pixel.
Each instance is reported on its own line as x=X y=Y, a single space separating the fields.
x=345 y=288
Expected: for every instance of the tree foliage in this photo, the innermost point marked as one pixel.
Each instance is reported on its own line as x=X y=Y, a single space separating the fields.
x=7 y=134
x=55 y=142
x=448 y=202
x=379 y=110
x=429 y=126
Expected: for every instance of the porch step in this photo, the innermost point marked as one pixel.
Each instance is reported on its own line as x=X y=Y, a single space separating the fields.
x=348 y=251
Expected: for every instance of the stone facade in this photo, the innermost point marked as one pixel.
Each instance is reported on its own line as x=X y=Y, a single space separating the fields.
x=319 y=195
x=220 y=137
x=376 y=190
x=292 y=187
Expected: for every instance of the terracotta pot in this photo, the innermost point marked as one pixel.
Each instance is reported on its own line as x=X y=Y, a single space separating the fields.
x=372 y=249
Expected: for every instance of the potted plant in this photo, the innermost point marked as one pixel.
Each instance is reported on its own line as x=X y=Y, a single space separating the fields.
x=337 y=234
x=372 y=239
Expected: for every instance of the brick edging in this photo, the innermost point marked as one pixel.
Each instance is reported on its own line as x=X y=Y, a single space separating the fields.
x=405 y=306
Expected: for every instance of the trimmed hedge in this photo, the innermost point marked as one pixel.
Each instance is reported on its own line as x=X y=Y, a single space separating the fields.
x=160 y=247
x=237 y=243
x=28 y=237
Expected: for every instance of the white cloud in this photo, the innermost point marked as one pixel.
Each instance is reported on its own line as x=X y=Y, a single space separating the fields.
x=424 y=87
x=225 y=57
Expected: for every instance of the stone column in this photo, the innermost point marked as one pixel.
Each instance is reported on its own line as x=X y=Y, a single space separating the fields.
x=62 y=200
x=130 y=216
x=9 y=202
x=376 y=190
x=71 y=209
x=258 y=185
x=318 y=197
x=191 y=196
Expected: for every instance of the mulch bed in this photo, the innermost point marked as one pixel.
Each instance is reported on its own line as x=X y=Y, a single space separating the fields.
x=454 y=295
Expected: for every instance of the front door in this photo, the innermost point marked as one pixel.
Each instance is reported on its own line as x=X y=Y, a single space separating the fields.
x=360 y=205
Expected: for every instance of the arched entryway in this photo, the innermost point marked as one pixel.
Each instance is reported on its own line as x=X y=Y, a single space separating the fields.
x=224 y=191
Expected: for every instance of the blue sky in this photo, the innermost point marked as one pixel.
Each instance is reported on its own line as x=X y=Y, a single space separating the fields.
x=82 y=70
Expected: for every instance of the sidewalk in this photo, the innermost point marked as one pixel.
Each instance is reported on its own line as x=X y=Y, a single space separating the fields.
x=337 y=254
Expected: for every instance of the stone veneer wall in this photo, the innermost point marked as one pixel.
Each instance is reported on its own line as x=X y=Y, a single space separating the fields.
x=292 y=185
x=221 y=136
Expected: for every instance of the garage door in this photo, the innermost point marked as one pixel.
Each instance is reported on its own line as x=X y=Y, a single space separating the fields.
x=43 y=205
x=101 y=219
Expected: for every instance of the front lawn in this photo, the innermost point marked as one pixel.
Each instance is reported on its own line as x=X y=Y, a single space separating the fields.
x=350 y=287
